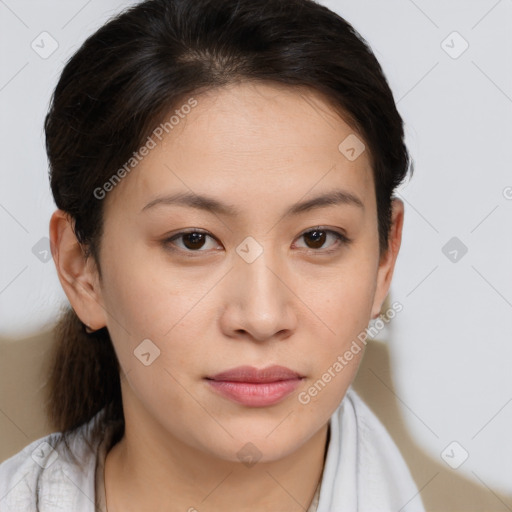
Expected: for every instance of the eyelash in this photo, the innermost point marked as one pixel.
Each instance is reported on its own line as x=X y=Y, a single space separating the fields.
x=341 y=239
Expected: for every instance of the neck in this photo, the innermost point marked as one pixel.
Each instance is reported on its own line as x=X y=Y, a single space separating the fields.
x=142 y=473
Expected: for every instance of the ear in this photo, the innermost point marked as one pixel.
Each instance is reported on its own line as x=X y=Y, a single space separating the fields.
x=388 y=260
x=77 y=273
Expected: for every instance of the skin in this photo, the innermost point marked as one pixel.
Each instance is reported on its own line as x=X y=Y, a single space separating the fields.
x=261 y=148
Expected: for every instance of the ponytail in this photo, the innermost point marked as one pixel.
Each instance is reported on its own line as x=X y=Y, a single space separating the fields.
x=84 y=377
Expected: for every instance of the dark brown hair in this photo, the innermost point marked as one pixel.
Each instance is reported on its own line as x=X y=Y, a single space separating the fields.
x=147 y=61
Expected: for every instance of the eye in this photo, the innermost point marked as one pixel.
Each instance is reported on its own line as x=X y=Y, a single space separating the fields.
x=192 y=241
x=197 y=241
x=317 y=237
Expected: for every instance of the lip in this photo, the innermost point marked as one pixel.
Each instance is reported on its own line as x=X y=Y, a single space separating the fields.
x=255 y=387
x=251 y=374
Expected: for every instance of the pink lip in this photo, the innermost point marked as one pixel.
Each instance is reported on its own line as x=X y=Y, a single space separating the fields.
x=257 y=388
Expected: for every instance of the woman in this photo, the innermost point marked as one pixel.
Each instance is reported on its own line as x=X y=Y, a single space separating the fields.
x=226 y=228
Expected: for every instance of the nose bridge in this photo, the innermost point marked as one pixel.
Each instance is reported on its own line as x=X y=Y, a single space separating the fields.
x=254 y=267
x=262 y=295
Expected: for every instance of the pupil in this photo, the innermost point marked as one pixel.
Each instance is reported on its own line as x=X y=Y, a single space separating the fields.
x=193 y=239
x=320 y=238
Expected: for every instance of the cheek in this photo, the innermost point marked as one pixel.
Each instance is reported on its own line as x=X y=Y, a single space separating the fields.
x=344 y=299
x=343 y=310
x=148 y=294
x=149 y=300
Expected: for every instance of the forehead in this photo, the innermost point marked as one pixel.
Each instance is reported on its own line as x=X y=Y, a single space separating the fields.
x=252 y=141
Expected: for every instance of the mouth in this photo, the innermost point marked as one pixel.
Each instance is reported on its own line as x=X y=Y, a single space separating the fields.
x=254 y=375
x=254 y=387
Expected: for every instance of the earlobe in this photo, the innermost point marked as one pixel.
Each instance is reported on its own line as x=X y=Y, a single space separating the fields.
x=388 y=260
x=77 y=272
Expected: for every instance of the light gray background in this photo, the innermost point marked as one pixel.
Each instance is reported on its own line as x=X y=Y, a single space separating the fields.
x=451 y=346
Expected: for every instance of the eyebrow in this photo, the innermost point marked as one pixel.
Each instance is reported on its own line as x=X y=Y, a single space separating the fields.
x=210 y=204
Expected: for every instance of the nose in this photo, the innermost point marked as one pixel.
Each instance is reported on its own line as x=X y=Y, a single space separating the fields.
x=259 y=301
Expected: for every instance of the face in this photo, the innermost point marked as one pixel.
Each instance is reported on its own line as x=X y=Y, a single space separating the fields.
x=251 y=277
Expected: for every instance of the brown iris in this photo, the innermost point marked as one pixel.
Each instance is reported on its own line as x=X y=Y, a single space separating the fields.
x=317 y=236
x=193 y=240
